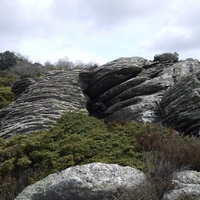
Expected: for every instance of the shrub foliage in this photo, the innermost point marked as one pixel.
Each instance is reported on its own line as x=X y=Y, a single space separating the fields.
x=6 y=95
x=80 y=139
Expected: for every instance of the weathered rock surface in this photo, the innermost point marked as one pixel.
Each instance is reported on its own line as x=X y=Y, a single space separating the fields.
x=42 y=103
x=124 y=89
x=130 y=88
x=166 y=57
x=114 y=72
x=185 y=183
x=181 y=105
x=94 y=181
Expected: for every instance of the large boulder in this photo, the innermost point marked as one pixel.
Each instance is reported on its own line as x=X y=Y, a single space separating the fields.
x=94 y=181
x=186 y=183
x=180 y=105
x=42 y=103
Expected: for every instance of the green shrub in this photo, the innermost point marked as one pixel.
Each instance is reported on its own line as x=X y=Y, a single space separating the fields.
x=80 y=139
x=6 y=96
x=165 y=154
x=77 y=139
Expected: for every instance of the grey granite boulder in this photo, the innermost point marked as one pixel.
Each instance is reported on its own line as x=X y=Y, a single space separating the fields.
x=94 y=181
x=185 y=183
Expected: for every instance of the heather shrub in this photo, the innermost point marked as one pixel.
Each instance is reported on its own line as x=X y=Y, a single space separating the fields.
x=165 y=153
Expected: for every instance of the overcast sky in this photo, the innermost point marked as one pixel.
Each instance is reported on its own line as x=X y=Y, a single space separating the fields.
x=99 y=30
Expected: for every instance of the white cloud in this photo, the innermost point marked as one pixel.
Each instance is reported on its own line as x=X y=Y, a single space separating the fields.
x=99 y=30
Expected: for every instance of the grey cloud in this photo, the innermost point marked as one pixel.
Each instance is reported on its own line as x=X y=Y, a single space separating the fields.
x=175 y=43
x=14 y=20
x=9 y=17
x=106 y=13
x=183 y=30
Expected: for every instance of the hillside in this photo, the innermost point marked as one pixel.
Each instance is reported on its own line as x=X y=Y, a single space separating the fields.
x=117 y=113
x=80 y=139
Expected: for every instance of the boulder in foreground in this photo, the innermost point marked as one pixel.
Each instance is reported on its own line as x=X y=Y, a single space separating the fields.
x=96 y=181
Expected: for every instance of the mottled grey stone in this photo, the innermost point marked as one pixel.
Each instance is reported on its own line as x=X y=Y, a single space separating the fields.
x=181 y=105
x=185 y=183
x=95 y=181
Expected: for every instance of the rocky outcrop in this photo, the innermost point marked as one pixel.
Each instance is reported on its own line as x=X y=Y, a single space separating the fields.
x=42 y=103
x=185 y=183
x=181 y=105
x=126 y=89
x=131 y=88
x=94 y=181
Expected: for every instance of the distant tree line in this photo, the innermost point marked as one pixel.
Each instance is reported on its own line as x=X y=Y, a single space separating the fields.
x=21 y=66
x=14 y=66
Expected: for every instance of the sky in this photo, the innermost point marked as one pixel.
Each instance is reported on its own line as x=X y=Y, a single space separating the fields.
x=99 y=30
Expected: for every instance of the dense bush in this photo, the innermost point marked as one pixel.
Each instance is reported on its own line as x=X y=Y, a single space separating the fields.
x=6 y=96
x=81 y=139
x=6 y=80
x=165 y=153
x=7 y=59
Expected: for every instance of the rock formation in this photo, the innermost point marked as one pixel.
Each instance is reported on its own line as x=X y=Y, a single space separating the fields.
x=42 y=103
x=125 y=89
x=131 y=88
x=185 y=183
x=94 y=181
x=181 y=105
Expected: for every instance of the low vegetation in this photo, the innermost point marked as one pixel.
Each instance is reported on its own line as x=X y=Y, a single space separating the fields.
x=6 y=95
x=81 y=139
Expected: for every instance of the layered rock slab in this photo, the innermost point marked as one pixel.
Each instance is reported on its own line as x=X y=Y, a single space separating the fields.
x=180 y=105
x=96 y=181
x=42 y=103
x=119 y=90
x=131 y=88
